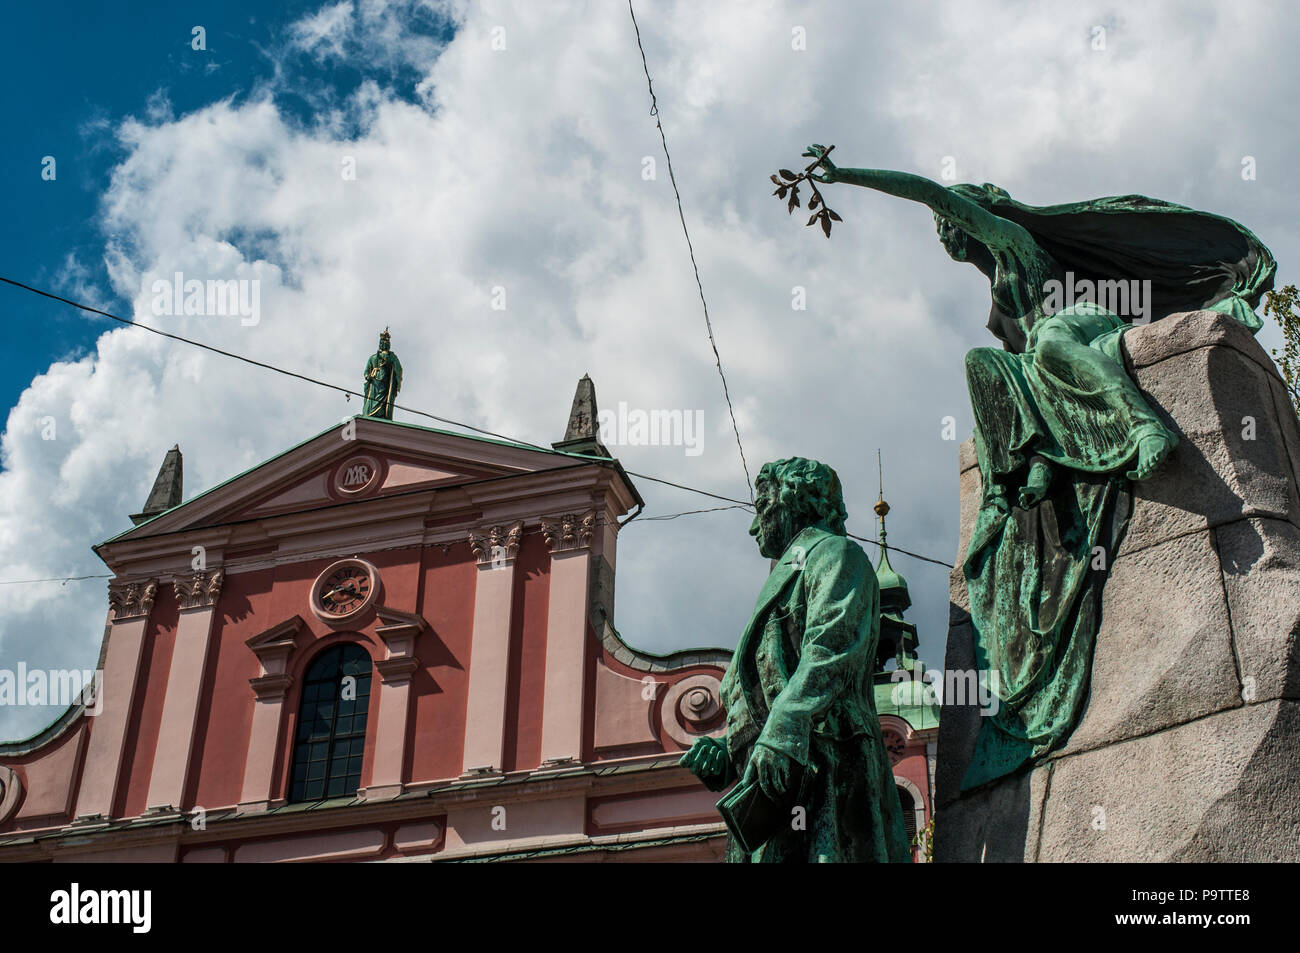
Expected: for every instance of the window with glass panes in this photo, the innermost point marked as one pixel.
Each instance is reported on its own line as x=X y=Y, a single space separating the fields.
x=331 y=733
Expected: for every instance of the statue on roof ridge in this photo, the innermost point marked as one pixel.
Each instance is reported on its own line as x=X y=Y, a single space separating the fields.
x=383 y=380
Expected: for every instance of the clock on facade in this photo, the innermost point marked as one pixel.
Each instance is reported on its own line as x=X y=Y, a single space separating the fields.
x=344 y=590
x=895 y=745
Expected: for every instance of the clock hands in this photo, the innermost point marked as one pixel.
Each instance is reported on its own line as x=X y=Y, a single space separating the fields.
x=349 y=587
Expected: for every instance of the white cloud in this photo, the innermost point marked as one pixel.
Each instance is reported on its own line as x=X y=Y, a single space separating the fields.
x=522 y=168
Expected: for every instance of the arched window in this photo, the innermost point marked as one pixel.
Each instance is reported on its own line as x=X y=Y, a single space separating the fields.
x=331 y=732
x=909 y=813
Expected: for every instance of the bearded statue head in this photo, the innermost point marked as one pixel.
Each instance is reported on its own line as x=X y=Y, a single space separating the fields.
x=793 y=494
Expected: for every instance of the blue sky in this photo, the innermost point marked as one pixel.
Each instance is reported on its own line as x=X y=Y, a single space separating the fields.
x=504 y=145
x=73 y=72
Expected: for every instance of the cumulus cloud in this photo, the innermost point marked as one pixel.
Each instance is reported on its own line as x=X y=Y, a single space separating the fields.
x=513 y=154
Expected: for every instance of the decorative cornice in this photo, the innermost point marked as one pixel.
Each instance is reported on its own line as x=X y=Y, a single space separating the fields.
x=132 y=600
x=398 y=632
x=267 y=688
x=199 y=589
x=648 y=662
x=496 y=545
x=273 y=648
x=569 y=532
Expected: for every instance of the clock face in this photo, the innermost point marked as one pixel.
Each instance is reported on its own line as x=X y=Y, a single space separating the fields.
x=344 y=590
x=895 y=745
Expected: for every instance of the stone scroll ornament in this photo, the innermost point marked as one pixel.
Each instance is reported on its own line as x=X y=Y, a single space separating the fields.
x=801 y=722
x=1060 y=427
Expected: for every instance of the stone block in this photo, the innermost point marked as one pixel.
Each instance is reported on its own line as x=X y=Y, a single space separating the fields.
x=958 y=724
x=1224 y=466
x=998 y=824
x=1290 y=426
x=1224 y=788
x=1164 y=653
x=1260 y=561
x=1179 y=333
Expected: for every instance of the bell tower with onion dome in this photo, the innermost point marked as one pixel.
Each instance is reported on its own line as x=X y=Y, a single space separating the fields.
x=907 y=703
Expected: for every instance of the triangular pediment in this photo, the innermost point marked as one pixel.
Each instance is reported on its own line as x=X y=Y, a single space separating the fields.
x=356 y=460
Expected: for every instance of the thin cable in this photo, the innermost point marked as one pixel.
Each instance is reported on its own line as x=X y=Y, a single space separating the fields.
x=654 y=111
x=63 y=579
x=411 y=410
x=269 y=367
x=895 y=549
x=673 y=516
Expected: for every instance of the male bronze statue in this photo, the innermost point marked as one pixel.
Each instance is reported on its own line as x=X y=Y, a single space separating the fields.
x=801 y=721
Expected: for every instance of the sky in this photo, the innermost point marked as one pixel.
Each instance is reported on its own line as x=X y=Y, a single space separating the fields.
x=486 y=180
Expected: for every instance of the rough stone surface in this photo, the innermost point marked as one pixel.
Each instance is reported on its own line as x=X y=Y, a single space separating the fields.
x=1189 y=747
x=998 y=824
x=1179 y=333
x=1161 y=659
x=1260 y=562
x=960 y=723
x=1222 y=788
x=1224 y=467
x=1290 y=431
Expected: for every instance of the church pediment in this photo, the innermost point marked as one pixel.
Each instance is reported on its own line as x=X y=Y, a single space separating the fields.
x=360 y=459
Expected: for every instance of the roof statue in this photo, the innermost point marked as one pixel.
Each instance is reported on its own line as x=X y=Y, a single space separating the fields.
x=383 y=380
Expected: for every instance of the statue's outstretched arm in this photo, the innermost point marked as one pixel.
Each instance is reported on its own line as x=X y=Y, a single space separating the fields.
x=976 y=221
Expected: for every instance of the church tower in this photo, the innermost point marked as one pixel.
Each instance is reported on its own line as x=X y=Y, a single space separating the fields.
x=907 y=705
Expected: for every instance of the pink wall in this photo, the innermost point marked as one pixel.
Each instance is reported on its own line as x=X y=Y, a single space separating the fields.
x=436 y=732
x=226 y=717
x=523 y=744
x=142 y=734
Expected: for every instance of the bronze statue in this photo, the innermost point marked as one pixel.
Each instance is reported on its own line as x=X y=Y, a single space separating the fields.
x=1060 y=426
x=383 y=381
x=803 y=735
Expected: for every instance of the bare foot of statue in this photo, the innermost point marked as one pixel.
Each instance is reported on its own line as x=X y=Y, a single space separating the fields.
x=1152 y=451
x=1035 y=488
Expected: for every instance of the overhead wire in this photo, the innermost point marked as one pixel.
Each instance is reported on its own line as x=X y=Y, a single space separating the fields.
x=445 y=420
x=708 y=324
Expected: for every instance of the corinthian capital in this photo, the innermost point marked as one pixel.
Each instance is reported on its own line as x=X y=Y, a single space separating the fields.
x=570 y=531
x=496 y=544
x=198 y=589
x=132 y=600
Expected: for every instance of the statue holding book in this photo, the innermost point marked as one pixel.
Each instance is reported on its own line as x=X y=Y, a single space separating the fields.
x=803 y=736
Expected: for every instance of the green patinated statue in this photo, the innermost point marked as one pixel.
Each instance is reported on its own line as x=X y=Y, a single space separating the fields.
x=383 y=380
x=801 y=719
x=1060 y=426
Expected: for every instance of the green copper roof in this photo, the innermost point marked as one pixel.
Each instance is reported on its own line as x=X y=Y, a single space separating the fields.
x=886 y=575
x=907 y=700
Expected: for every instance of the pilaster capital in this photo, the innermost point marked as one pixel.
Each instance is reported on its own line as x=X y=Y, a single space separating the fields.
x=569 y=532
x=496 y=545
x=132 y=600
x=198 y=589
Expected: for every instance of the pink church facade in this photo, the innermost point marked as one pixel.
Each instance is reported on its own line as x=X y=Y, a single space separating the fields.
x=388 y=643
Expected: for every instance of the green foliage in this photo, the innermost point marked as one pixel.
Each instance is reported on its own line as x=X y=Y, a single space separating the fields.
x=1284 y=306
x=923 y=840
